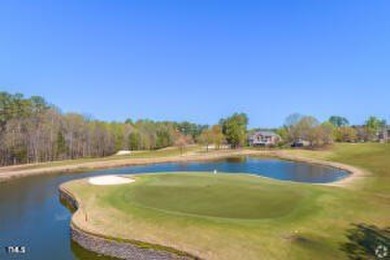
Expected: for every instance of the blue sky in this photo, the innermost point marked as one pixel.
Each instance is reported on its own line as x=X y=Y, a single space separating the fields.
x=200 y=60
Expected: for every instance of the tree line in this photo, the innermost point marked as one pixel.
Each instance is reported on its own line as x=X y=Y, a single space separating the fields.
x=335 y=129
x=32 y=130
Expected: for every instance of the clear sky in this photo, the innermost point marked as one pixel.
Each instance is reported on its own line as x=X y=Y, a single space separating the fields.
x=200 y=60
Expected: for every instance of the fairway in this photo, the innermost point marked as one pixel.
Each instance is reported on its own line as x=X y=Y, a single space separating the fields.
x=222 y=195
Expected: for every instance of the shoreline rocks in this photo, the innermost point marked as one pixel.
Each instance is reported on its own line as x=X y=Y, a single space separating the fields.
x=108 y=247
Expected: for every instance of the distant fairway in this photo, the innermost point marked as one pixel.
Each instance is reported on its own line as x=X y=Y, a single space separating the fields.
x=221 y=195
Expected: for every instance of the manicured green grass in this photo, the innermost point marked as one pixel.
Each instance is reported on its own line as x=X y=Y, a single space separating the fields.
x=221 y=195
x=228 y=216
x=373 y=157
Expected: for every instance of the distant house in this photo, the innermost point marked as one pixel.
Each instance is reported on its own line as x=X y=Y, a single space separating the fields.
x=384 y=134
x=264 y=138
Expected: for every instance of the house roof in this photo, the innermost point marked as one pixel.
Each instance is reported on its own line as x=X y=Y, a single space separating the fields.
x=265 y=133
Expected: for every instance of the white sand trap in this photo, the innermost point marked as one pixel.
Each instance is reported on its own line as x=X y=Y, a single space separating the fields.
x=109 y=180
x=123 y=152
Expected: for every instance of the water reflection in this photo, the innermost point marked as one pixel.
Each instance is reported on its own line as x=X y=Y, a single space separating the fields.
x=238 y=159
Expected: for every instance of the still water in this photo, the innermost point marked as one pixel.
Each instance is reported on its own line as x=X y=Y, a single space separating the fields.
x=32 y=216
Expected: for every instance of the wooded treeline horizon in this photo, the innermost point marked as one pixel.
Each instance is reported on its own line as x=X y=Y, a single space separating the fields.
x=32 y=131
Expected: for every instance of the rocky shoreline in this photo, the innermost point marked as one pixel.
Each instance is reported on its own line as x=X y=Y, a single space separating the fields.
x=108 y=247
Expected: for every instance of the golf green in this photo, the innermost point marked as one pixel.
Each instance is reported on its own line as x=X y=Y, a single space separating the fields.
x=220 y=195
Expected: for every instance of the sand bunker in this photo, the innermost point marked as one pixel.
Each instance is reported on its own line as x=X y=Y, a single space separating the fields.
x=110 y=180
x=123 y=152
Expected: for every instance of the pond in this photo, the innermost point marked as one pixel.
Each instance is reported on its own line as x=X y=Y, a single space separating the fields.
x=32 y=216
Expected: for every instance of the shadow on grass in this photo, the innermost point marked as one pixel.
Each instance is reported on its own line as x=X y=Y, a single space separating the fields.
x=367 y=242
